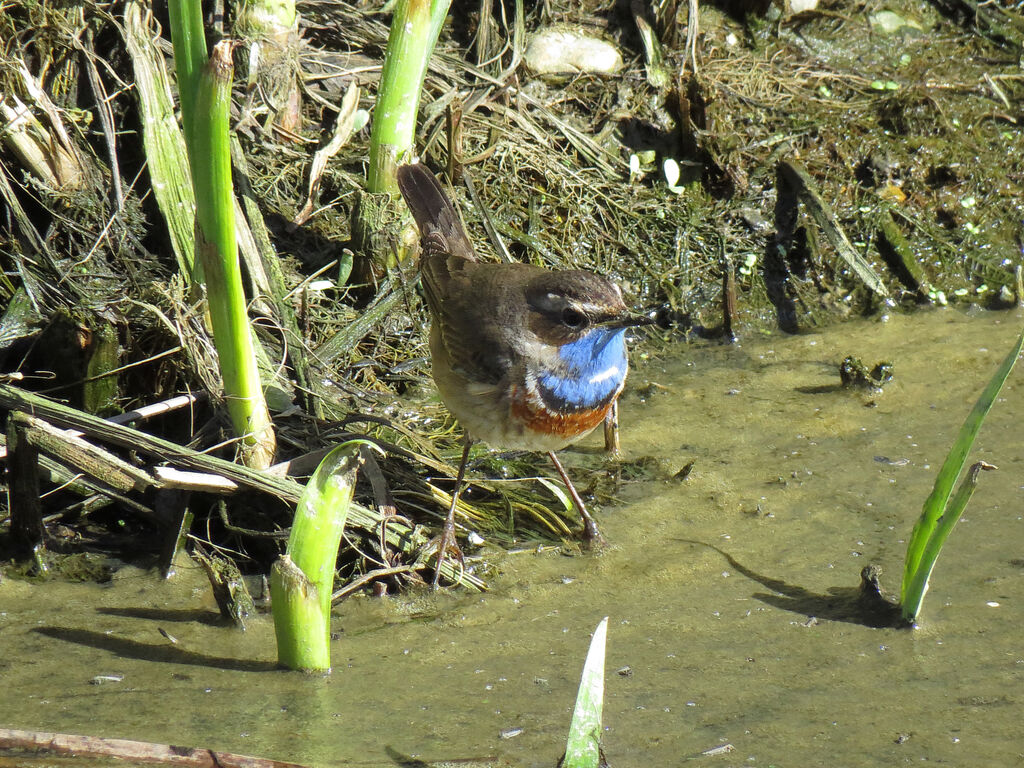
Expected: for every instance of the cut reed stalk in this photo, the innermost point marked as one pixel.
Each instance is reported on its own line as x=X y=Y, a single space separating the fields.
x=302 y=580
x=217 y=251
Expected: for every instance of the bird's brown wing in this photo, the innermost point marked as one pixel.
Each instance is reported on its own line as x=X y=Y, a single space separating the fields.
x=451 y=279
x=473 y=320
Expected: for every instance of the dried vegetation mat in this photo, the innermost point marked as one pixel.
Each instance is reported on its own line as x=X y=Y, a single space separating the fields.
x=757 y=169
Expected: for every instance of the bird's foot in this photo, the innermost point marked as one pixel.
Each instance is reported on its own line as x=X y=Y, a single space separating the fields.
x=592 y=537
x=447 y=548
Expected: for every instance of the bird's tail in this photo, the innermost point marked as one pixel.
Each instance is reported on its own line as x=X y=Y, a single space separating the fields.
x=434 y=213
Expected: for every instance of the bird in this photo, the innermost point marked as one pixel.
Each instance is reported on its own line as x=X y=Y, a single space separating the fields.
x=523 y=357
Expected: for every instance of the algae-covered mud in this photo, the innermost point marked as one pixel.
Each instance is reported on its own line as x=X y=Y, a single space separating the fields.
x=766 y=488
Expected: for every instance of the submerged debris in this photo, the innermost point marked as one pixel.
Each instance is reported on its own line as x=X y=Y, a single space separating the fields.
x=854 y=374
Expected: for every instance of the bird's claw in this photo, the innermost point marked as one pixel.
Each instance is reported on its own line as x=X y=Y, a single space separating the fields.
x=446 y=547
x=592 y=538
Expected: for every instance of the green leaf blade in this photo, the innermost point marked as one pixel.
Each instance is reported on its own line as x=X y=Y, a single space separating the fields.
x=582 y=748
x=935 y=519
x=910 y=606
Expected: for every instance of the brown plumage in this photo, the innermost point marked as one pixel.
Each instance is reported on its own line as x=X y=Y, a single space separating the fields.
x=524 y=357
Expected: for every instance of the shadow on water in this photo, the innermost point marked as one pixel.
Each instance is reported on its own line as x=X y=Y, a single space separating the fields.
x=407 y=761
x=163 y=653
x=404 y=761
x=862 y=605
x=198 y=615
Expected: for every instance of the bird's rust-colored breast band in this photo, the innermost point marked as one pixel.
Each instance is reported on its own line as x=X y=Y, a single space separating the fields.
x=568 y=424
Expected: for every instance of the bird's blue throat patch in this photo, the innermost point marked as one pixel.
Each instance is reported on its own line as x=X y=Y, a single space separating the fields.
x=590 y=373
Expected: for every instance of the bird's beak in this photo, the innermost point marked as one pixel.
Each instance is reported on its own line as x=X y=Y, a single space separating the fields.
x=632 y=320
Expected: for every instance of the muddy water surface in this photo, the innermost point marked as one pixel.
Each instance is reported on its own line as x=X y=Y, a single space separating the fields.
x=725 y=593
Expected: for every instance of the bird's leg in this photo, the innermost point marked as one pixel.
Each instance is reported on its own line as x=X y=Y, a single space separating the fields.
x=611 y=430
x=591 y=534
x=447 y=541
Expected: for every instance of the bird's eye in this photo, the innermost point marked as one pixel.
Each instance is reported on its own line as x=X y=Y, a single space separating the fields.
x=573 y=318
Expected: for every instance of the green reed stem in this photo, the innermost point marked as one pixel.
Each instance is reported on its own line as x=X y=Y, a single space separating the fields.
x=302 y=580
x=217 y=251
x=190 y=55
x=414 y=30
x=582 y=748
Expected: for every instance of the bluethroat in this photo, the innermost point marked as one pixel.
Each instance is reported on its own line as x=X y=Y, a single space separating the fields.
x=524 y=357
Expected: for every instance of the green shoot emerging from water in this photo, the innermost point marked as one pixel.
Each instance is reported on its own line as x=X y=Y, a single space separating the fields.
x=940 y=514
x=302 y=579
x=582 y=749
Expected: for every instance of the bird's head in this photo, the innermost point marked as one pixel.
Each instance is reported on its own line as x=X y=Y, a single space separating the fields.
x=569 y=305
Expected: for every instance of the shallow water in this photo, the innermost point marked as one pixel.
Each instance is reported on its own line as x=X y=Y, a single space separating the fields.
x=711 y=585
